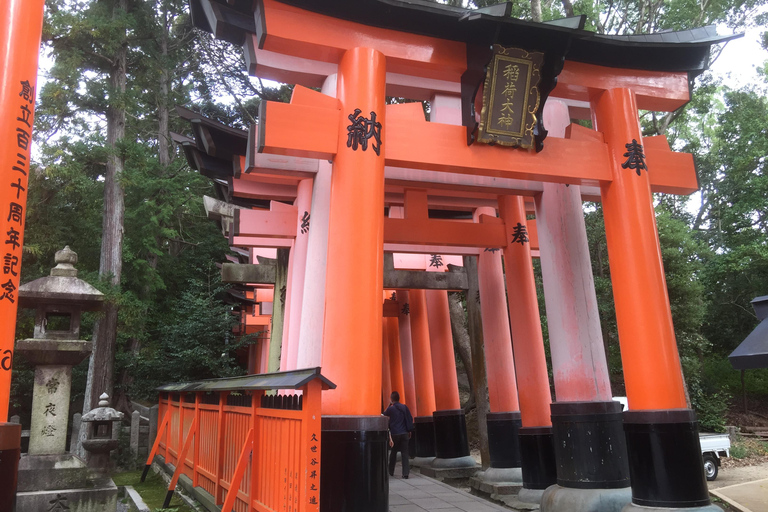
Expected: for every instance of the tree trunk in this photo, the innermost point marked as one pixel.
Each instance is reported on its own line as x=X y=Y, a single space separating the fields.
x=163 y=131
x=101 y=367
x=461 y=338
x=536 y=10
x=475 y=329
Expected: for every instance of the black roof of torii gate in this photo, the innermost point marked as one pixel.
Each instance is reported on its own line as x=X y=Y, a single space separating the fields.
x=683 y=51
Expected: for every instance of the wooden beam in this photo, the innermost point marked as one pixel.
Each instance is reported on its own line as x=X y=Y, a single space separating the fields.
x=655 y=90
x=265 y=224
x=329 y=38
x=278 y=310
x=248 y=273
x=298 y=130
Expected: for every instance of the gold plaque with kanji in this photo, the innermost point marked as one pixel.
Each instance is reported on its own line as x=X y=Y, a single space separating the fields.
x=510 y=97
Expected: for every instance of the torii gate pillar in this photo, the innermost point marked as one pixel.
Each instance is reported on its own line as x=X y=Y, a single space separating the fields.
x=661 y=431
x=354 y=433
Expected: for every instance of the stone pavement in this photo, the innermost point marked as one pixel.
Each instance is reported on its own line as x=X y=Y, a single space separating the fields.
x=747 y=497
x=422 y=494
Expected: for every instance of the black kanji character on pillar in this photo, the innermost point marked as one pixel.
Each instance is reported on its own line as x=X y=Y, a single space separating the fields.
x=393 y=296
x=520 y=234
x=15 y=213
x=491 y=249
x=406 y=309
x=635 y=157
x=313 y=500
x=13 y=238
x=25 y=115
x=22 y=138
x=436 y=261
x=21 y=162
x=361 y=129
x=8 y=293
x=9 y=264
x=19 y=188
x=305 y=222
x=27 y=91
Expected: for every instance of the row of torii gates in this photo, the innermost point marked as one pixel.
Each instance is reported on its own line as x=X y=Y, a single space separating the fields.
x=329 y=164
x=350 y=195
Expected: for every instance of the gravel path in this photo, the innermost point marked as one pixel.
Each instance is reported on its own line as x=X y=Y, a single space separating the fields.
x=738 y=475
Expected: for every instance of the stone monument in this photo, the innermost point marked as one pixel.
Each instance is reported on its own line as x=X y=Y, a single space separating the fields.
x=49 y=477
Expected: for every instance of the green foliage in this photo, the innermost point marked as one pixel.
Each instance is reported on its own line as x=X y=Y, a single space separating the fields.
x=744 y=448
x=191 y=340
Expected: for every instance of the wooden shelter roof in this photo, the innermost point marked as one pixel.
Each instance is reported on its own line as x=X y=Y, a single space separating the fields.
x=686 y=50
x=295 y=379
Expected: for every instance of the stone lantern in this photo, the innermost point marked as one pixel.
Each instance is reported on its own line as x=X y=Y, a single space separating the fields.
x=58 y=300
x=48 y=474
x=99 y=440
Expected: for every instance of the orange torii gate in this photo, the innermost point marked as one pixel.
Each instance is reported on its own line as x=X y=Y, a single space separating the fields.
x=423 y=51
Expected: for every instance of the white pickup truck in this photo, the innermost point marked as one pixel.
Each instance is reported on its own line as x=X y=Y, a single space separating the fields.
x=713 y=446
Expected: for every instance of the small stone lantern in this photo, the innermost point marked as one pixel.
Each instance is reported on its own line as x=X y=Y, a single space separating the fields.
x=58 y=300
x=100 y=425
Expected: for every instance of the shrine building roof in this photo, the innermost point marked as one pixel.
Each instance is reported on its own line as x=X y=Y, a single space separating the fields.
x=682 y=51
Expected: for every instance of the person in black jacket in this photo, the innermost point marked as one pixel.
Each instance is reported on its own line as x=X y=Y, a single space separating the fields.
x=400 y=428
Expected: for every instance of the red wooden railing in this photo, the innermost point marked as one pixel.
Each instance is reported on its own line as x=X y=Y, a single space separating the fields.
x=248 y=450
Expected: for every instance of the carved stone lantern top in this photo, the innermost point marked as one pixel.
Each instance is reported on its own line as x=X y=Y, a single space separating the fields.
x=62 y=287
x=59 y=300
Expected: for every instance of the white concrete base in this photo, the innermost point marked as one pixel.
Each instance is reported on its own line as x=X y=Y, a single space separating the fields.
x=564 y=499
x=499 y=475
x=418 y=462
x=530 y=495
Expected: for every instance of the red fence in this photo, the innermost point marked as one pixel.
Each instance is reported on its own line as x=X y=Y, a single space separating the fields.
x=248 y=450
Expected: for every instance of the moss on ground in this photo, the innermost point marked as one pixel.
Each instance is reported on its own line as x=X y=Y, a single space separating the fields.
x=152 y=490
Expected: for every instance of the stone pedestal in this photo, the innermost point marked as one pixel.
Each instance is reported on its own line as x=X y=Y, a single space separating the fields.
x=49 y=478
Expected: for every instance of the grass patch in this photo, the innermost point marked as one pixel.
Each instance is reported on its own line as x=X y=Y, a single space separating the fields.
x=748 y=447
x=152 y=491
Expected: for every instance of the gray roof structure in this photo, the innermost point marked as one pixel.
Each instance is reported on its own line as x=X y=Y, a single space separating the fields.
x=753 y=351
x=279 y=380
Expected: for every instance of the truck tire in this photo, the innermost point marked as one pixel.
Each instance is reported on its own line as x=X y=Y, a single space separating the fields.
x=710 y=467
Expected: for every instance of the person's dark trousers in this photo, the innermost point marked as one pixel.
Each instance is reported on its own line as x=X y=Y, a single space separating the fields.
x=400 y=445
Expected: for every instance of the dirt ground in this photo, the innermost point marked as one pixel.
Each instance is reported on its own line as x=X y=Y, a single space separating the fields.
x=739 y=474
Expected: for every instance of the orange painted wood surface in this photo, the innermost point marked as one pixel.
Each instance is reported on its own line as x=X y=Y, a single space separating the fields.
x=655 y=90
x=301 y=33
x=272 y=224
x=298 y=130
x=21 y=23
x=250 y=455
x=355 y=267
x=651 y=363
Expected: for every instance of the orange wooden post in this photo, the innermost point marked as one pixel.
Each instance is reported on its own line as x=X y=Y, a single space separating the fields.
x=536 y=449
x=237 y=477
x=451 y=441
x=220 y=447
x=21 y=23
x=661 y=432
x=191 y=434
x=395 y=359
x=646 y=335
x=525 y=321
x=311 y=448
x=196 y=449
x=386 y=375
x=354 y=283
x=161 y=433
x=257 y=436
x=351 y=341
x=443 y=357
x=423 y=375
